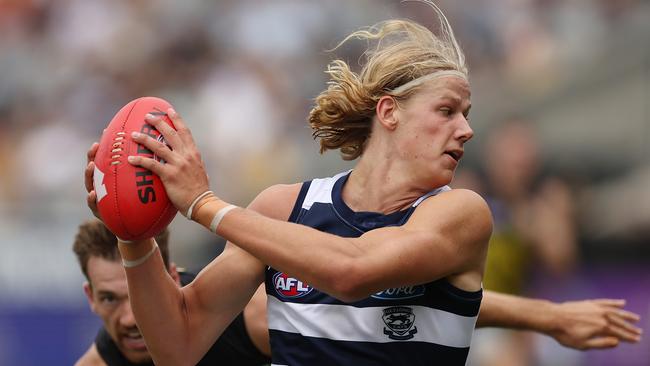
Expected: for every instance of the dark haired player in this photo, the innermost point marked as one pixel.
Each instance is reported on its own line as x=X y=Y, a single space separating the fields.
x=119 y=342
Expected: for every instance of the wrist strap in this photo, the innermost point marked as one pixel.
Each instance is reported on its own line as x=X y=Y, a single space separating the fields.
x=196 y=200
x=136 y=262
x=219 y=216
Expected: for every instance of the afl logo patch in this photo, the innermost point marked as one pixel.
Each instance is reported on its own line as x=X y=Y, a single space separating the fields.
x=289 y=287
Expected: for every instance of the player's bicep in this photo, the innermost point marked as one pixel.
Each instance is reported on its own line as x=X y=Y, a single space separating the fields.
x=445 y=236
x=455 y=228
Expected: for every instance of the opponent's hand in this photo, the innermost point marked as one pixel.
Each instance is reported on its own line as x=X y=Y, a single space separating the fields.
x=183 y=172
x=91 y=198
x=594 y=324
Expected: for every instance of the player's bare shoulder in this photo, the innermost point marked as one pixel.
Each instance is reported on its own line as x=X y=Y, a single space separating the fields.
x=91 y=358
x=471 y=206
x=277 y=201
x=461 y=211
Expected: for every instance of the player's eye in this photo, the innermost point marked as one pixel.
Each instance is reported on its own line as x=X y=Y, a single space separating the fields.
x=446 y=111
x=107 y=299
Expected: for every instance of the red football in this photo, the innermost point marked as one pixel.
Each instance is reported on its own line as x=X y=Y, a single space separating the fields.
x=131 y=200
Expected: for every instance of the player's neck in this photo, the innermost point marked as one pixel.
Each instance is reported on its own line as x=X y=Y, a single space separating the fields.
x=379 y=186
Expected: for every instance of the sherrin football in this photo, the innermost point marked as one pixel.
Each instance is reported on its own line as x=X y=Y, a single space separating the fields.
x=131 y=200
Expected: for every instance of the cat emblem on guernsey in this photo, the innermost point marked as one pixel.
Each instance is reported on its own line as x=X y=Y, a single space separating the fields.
x=399 y=322
x=289 y=287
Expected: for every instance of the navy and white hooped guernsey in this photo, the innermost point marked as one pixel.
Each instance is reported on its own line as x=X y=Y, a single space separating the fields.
x=428 y=324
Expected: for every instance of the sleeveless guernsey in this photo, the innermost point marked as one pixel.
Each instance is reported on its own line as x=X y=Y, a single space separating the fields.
x=429 y=324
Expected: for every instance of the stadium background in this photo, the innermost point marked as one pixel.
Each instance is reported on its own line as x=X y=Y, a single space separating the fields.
x=243 y=73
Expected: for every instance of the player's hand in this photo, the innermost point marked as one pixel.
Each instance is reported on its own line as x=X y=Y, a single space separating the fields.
x=91 y=198
x=183 y=171
x=594 y=324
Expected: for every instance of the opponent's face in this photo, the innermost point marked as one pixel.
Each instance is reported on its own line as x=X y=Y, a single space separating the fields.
x=433 y=128
x=108 y=297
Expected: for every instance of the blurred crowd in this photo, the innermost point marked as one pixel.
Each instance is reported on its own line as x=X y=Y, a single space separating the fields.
x=560 y=94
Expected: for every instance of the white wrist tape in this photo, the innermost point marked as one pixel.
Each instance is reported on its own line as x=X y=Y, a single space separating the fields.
x=219 y=216
x=196 y=200
x=134 y=263
x=124 y=241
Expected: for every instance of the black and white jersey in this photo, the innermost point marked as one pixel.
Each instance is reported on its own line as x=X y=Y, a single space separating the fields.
x=429 y=324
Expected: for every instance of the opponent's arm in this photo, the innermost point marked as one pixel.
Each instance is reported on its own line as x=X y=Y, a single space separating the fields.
x=446 y=234
x=577 y=324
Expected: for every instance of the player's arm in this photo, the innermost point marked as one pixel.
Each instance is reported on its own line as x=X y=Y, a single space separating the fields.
x=179 y=325
x=446 y=235
x=577 y=324
x=256 y=321
x=215 y=297
x=186 y=322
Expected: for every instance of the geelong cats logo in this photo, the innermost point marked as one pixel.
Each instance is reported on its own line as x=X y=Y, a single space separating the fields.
x=399 y=321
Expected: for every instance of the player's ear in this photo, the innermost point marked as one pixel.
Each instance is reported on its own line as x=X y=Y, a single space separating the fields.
x=89 y=295
x=173 y=271
x=386 y=112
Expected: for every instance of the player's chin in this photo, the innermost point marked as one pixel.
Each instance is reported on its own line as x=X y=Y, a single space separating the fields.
x=443 y=177
x=134 y=349
x=137 y=356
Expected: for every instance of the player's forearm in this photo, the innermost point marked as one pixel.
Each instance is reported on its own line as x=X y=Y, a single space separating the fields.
x=508 y=311
x=157 y=304
x=315 y=257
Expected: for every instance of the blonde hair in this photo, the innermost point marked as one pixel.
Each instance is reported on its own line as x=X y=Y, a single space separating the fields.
x=403 y=52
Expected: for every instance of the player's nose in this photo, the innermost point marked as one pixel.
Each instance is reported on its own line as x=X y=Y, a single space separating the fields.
x=465 y=131
x=127 y=319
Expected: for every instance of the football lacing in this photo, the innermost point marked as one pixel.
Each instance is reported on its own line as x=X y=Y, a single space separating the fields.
x=117 y=147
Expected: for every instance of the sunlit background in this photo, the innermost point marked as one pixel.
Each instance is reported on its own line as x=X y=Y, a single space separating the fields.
x=573 y=77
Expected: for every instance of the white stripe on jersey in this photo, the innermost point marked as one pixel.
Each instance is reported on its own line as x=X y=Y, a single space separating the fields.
x=432 y=193
x=348 y=323
x=320 y=190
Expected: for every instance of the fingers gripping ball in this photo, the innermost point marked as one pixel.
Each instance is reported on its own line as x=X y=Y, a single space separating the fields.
x=131 y=200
